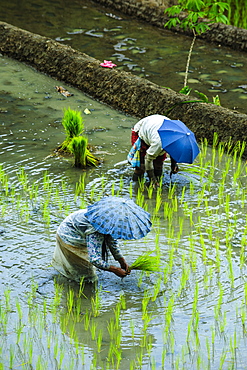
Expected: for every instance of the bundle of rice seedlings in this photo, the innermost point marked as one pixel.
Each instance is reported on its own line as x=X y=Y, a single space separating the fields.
x=83 y=157
x=78 y=146
x=146 y=262
x=73 y=125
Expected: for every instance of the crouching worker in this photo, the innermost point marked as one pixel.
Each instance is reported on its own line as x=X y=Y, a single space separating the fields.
x=85 y=238
x=151 y=153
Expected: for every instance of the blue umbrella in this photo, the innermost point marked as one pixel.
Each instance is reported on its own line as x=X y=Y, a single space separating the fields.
x=178 y=141
x=119 y=217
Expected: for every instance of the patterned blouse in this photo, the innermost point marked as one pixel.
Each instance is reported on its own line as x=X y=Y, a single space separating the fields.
x=76 y=230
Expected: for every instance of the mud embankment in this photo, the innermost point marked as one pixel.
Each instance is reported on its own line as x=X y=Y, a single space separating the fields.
x=121 y=90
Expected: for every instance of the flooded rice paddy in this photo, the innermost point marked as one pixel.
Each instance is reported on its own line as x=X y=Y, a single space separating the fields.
x=158 y=55
x=189 y=315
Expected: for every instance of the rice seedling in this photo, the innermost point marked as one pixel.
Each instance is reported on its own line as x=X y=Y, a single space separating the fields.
x=113 y=188
x=168 y=315
x=93 y=328
x=118 y=339
x=150 y=191
x=80 y=185
x=153 y=363
x=4 y=320
x=140 y=198
x=46 y=211
x=122 y=302
x=163 y=357
x=184 y=279
x=130 y=190
x=78 y=146
x=158 y=201
x=139 y=359
x=114 y=356
x=157 y=288
x=171 y=192
x=86 y=319
x=19 y=309
x=96 y=304
x=111 y=328
x=121 y=186
x=146 y=262
x=74 y=142
x=7 y=300
x=70 y=300
x=73 y=125
x=145 y=301
x=146 y=342
x=132 y=328
x=99 y=340
x=171 y=342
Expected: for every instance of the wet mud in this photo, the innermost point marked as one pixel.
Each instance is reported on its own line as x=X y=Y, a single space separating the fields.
x=121 y=90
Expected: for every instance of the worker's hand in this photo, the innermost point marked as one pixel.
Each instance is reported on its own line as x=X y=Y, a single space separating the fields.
x=118 y=271
x=123 y=264
x=153 y=180
x=175 y=169
x=155 y=184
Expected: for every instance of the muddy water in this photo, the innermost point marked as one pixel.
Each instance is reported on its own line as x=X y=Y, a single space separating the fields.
x=158 y=55
x=31 y=130
x=209 y=213
x=31 y=114
x=202 y=242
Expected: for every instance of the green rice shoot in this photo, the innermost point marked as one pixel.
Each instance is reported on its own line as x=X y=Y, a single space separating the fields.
x=78 y=147
x=91 y=160
x=73 y=125
x=146 y=262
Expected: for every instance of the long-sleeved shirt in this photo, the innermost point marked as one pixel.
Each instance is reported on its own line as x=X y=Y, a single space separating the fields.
x=76 y=230
x=147 y=129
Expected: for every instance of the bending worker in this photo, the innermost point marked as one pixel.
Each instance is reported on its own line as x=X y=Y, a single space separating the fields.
x=80 y=249
x=152 y=154
x=86 y=237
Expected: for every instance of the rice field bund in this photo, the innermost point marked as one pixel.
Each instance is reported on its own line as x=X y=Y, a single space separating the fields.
x=190 y=314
